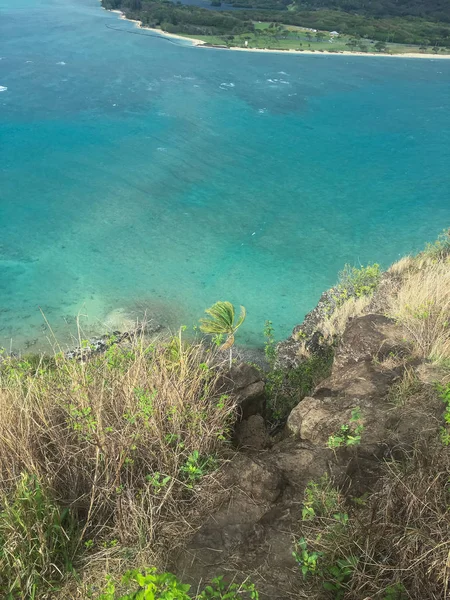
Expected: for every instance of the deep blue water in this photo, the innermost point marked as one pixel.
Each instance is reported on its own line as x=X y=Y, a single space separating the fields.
x=140 y=173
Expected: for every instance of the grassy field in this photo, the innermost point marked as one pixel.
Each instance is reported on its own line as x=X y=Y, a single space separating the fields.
x=281 y=37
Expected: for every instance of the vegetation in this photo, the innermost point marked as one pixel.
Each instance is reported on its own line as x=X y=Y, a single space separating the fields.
x=221 y=321
x=349 y=434
x=389 y=545
x=104 y=461
x=286 y=387
x=421 y=24
x=151 y=585
x=109 y=463
x=37 y=540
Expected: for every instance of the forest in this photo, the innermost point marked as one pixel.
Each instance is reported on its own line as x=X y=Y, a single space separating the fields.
x=416 y=22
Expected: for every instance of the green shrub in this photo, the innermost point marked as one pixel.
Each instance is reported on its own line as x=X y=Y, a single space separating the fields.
x=439 y=249
x=354 y=282
x=349 y=434
x=286 y=387
x=37 y=541
x=151 y=585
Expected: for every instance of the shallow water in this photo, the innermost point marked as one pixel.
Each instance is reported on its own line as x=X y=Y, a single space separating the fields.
x=139 y=173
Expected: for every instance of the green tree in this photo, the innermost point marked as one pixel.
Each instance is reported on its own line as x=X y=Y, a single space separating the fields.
x=380 y=47
x=221 y=321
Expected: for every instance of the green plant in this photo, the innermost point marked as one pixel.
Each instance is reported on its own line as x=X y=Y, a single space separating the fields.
x=153 y=585
x=219 y=590
x=357 y=282
x=439 y=249
x=158 y=481
x=286 y=387
x=306 y=560
x=269 y=346
x=349 y=434
x=396 y=591
x=221 y=321
x=320 y=499
x=37 y=541
x=337 y=575
x=196 y=467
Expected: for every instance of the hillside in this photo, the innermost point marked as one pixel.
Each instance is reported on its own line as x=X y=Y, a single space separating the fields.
x=321 y=473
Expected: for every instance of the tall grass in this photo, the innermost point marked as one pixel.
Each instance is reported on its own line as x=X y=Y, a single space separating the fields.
x=394 y=544
x=421 y=305
x=126 y=440
x=37 y=541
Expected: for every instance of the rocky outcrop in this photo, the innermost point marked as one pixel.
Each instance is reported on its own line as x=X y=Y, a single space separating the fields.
x=246 y=383
x=252 y=531
x=308 y=334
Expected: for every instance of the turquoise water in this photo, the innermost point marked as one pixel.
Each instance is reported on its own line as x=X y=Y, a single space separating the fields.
x=139 y=174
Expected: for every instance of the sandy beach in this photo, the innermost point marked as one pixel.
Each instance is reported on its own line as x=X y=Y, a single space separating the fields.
x=202 y=43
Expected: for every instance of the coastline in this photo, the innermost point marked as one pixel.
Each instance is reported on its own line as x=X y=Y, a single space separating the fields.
x=202 y=44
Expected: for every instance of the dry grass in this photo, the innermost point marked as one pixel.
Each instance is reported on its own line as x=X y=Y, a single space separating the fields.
x=407 y=386
x=126 y=440
x=399 y=537
x=421 y=305
x=335 y=324
x=402 y=266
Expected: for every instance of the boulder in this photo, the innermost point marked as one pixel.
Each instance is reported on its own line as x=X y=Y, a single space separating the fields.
x=367 y=338
x=246 y=383
x=252 y=433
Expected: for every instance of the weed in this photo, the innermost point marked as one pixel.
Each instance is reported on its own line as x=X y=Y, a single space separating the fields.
x=285 y=388
x=401 y=391
x=37 y=541
x=269 y=345
x=152 y=585
x=320 y=499
x=196 y=467
x=439 y=249
x=306 y=560
x=354 y=282
x=349 y=434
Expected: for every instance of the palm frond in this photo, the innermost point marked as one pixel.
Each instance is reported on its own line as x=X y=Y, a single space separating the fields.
x=221 y=318
x=241 y=318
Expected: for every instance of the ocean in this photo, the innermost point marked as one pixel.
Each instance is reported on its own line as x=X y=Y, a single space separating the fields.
x=139 y=174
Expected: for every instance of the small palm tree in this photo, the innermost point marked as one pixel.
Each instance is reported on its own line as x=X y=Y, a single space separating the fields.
x=221 y=322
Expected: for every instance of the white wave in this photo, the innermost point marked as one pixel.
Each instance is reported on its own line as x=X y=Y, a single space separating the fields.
x=227 y=85
x=262 y=110
x=161 y=149
x=285 y=82
x=3 y=88
x=282 y=73
x=185 y=78
x=61 y=62
x=28 y=62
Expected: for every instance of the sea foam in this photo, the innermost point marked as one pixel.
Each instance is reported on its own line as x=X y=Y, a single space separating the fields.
x=3 y=88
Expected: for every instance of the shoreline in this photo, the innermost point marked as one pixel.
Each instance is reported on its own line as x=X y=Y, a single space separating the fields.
x=202 y=44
